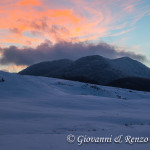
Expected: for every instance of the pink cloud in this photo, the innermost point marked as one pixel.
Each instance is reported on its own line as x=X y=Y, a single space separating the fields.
x=76 y=20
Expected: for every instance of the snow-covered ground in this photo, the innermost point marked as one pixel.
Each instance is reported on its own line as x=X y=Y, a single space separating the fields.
x=37 y=113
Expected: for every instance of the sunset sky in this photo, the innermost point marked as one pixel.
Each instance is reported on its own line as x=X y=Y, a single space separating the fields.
x=25 y=24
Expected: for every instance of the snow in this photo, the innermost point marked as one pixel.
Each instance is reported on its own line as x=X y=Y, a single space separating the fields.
x=37 y=113
x=130 y=67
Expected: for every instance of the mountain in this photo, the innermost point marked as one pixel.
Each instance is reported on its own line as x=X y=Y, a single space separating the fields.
x=44 y=68
x=92 y=69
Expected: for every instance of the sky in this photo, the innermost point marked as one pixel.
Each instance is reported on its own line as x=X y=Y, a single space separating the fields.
x=32 y=31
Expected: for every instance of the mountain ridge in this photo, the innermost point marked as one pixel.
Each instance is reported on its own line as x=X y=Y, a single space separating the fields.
x=94 y=69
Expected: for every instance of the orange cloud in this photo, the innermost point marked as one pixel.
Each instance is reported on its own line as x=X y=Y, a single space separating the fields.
x=30 y=3
x=77 y=20
x=14 y=68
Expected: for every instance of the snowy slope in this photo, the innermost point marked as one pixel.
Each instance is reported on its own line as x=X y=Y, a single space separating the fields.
x=131 y=67
x=37 y=113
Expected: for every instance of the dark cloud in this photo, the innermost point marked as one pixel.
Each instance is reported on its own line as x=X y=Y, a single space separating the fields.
x=40 y=25
x=57 y=32
x=15 y=30
x=47 y=51
x=55 y=29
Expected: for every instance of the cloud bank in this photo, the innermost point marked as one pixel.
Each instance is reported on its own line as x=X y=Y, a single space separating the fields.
x=48 y=51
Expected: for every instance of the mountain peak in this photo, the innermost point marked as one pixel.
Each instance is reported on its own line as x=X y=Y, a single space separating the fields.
x=92 y=57
x=125 y=58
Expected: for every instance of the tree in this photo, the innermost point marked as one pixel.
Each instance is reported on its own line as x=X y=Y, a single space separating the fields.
x=2 y=80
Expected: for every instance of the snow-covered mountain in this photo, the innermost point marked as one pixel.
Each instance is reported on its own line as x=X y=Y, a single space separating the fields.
x=93 y=69
x=44 y=68
x=39 y=112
